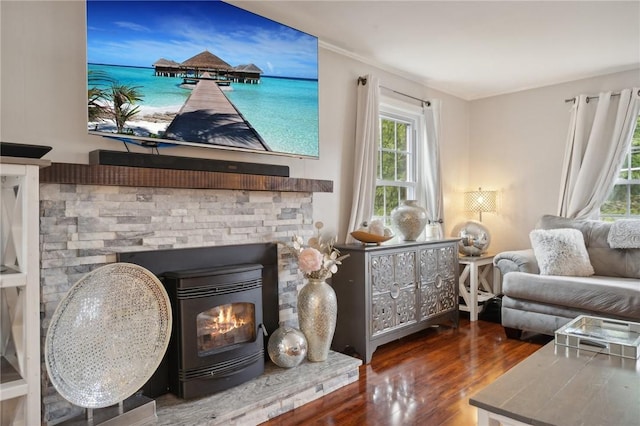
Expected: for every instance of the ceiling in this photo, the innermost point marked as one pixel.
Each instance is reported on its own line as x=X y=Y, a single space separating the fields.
x=473 y=49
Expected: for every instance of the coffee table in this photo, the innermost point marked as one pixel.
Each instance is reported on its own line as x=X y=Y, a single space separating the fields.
x=561 y=386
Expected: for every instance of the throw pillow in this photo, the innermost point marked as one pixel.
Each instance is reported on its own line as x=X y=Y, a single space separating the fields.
x=624 y=233
x=561 y=252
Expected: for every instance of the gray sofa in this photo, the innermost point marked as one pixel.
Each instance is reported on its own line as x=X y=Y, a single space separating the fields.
x=544 y=303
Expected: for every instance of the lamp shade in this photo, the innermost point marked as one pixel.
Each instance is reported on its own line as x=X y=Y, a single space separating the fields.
x=480 y=201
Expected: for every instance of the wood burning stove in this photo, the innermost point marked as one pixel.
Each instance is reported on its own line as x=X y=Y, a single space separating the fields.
x=217 y=339
x=206 y=258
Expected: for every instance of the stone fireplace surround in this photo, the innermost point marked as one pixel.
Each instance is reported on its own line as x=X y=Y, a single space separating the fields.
x=88 y=214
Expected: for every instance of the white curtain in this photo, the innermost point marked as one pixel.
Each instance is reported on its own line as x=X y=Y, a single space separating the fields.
x=430 y=185
x=596 y=147
x=364 y=167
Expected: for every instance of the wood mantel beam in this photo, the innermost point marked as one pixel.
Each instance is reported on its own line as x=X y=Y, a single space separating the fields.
x=85 y=174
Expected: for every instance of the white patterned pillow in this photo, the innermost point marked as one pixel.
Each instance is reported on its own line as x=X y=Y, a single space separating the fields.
x=561 y=252
x=624 y=233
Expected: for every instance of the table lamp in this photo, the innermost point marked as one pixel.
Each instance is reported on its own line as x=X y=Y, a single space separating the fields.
x=474 y=236
x=480 y=201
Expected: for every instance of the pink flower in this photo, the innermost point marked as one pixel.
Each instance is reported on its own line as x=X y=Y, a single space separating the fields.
x=309 y=260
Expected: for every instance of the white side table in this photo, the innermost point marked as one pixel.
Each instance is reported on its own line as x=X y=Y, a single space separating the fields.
x=476 y=270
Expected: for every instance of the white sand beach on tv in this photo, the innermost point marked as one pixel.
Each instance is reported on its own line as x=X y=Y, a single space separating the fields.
x=149 y=122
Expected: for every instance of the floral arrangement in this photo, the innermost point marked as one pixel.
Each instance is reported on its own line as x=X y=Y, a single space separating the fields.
x=319 y=259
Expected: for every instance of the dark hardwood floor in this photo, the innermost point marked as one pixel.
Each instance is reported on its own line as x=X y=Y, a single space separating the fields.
x=424 y=379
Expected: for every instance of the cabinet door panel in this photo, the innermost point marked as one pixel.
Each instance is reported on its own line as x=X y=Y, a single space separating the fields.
x=382 y=313
x=392 y=310
x=405 y=269
x=437 y=281
x=406 y=307
x=447 y=261
x=381 y=273
x=405 y=277
x=393 y=291
x=383 y=291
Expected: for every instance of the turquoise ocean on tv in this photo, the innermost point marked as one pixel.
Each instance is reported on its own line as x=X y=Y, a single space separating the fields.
x=284 y=111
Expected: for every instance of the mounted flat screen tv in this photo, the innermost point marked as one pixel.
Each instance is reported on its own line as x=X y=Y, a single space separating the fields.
x=200 y=73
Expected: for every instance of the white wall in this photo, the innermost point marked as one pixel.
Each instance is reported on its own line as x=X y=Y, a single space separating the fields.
x=518 y=142
x=43 y=101
x=512 y=143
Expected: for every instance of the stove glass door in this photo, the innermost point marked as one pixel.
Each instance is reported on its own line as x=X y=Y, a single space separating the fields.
x=225 y=325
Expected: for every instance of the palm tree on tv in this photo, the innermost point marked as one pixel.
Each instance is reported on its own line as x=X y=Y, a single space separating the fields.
x=123 y=99
x=97 y=95
x=109 y=99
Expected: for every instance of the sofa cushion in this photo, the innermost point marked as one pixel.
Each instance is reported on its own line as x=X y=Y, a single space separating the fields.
x=561 y=252
x=605 y=260
x=610 y=296
x=531 y=320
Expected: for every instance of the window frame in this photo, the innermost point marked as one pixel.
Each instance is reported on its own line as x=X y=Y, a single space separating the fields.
x=628 y=182
x=395 y=110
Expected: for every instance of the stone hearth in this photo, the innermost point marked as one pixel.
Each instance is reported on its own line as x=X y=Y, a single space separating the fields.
x=277 y=391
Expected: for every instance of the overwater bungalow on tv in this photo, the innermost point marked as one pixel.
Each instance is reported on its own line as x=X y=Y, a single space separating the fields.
x=194 y=67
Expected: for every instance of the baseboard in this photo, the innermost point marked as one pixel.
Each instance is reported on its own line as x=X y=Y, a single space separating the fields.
x=158 y=161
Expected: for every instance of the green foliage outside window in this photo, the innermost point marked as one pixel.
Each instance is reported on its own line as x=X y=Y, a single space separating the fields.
x=387 y=199
x=624 y=199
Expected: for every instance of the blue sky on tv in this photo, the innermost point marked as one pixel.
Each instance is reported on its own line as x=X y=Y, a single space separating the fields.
x=138 y=33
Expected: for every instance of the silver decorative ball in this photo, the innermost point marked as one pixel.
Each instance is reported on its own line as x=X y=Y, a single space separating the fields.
x=287 y=347
x=474 y=238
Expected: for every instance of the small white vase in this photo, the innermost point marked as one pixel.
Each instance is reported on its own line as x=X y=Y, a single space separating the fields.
x=317 y=314
x=409 y=219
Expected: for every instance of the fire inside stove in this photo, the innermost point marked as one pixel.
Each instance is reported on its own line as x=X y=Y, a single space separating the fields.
x=225 y=325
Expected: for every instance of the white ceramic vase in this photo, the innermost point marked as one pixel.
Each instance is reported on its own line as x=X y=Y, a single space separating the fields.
x=409 y=219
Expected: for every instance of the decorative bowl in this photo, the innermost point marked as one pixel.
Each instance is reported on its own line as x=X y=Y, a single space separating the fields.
x=367 y=238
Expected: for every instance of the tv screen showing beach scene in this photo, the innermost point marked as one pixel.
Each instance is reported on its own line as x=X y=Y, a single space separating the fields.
x=200 y=73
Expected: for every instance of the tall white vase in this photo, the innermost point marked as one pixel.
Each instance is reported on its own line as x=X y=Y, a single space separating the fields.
x=317 y=313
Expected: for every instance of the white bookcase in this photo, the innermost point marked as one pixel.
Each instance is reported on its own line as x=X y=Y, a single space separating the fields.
x=19 y=291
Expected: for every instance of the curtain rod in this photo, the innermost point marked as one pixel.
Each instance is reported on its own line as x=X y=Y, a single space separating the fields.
x=594 y=97
x=363 y=81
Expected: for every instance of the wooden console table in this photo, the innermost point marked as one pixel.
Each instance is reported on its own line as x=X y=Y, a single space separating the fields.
x=390 y=291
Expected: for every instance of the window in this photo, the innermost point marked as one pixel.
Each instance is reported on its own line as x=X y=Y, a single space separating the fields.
x=624 y=199
x=396 y=164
